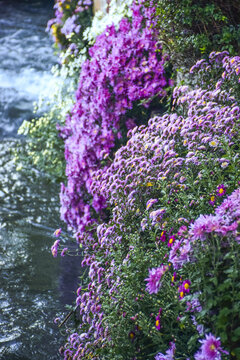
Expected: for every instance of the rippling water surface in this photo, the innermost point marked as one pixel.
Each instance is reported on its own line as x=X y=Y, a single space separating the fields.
x=33 y=285
x=26 y=58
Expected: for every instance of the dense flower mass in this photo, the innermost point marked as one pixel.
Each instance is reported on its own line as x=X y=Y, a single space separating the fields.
x=71 y=19
x=126 y=66
x=157 y=249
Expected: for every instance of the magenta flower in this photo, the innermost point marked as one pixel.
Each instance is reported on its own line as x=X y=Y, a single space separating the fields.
x=154 y=279
x=163 y=236
x=157 y=322
x=186 y=286
x=210 y=349
x=221 y=190
x=158 y=318
x=169 y=353
x=57 y=232
x=64 y=251
x=212 y=200
x=171 y=240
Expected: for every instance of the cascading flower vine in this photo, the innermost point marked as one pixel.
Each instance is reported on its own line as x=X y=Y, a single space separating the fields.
x=125 y=66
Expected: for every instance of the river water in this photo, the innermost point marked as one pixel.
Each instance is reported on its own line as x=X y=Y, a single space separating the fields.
x=34 y=287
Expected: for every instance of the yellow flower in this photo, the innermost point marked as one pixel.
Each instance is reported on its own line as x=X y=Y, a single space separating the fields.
x=149 y=184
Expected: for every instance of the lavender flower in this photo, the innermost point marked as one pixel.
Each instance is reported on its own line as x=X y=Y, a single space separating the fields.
x=154 y=279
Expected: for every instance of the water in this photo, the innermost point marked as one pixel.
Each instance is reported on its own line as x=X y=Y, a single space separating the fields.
x=26 y=58
x=34 y=287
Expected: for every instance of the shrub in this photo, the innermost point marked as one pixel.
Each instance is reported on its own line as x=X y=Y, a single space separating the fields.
x=126 y=67
x=153 y=264
x=72 y=17
x=191 y=28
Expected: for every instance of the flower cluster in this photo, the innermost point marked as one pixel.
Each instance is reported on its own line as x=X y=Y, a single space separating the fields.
x=71 y=19
x=210 y=349
x=158 y=187
x=126 y=66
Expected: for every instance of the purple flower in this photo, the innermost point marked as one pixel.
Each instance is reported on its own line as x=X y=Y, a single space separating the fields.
x=54 y=248
x=154 y=279
x=169 y=353
x=57 y=232
x=212 y=200
x=210 y=349
x=221 y=190
x=150 y=203
x=171 y=240
x=64 y=251
x=157 y=322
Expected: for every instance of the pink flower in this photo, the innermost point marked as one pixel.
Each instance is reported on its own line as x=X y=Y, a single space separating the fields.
x=210 y=349
x=169 y=353
x=57 y=232
x=64 y=251
x=154 y=279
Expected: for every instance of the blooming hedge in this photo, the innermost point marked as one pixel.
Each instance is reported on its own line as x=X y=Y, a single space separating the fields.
x=126 y=66
x=163 y=272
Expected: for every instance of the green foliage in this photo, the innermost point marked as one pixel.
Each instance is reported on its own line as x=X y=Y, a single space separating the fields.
x=43 y=149
x=190 y=29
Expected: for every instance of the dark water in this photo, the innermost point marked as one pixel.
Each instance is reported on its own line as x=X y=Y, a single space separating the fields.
x=34 y=287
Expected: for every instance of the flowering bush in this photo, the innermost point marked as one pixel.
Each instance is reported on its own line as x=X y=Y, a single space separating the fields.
x=126 y=67
x=190 y=28
x=163 y=278
x=72 y=17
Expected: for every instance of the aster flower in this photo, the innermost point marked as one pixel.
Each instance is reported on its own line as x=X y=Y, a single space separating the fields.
x=157 y=322
x=169 y=353
x=64 y=251
x=150 y=203
x=54 y=248
x=213 y=143
x=211 y=349
x=163 y=236
x=157 y=215
x=186 y=286
x=173 y=278
x=57 y=232
x=171 y=240
x=221 y=190
x=212 y=200
x=132 y=335
x=154 y=279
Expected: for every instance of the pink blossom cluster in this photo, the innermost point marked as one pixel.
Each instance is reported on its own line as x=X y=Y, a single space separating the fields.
x=223 y=223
